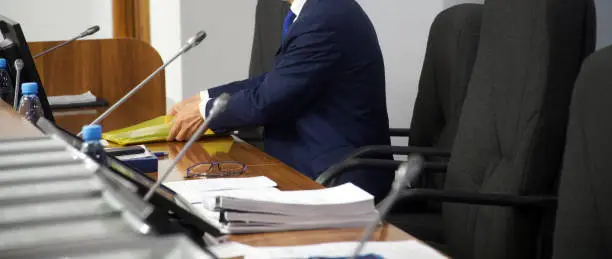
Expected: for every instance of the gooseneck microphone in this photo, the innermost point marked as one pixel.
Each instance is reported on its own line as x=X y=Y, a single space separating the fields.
x=192 y=42
x=18 y=67
x=89 y=31
x=406 y=173
x=219 y=106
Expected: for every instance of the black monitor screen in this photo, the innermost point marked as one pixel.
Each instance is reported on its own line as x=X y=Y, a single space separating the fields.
x=13 y=46
x=163 y=197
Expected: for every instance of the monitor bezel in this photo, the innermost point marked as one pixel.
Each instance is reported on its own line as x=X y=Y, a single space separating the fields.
x=163 y=196
x=19 y=48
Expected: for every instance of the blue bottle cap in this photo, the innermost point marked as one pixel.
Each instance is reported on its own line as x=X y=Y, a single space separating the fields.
x=92 y=132
x=29 y=88
x=2 y=63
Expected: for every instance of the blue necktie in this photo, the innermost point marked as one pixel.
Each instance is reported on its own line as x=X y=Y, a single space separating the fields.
x=288 y=22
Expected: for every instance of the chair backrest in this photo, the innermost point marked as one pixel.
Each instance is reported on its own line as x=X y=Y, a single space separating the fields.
x=269 y=17
x=109 y=68
x=267 y=38
x=447 y=68
x=584 y=215
x=512 y=128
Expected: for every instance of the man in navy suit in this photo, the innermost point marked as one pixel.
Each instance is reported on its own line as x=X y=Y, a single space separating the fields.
x=324 y=97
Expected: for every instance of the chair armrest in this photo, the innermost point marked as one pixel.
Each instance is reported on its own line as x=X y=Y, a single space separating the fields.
x=337 y=170
x=249 y=134
x=395 y=150
x=491 y=199
x=399 y=132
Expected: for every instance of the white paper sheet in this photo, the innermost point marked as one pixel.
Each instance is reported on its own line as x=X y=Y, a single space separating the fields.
x=196 y=191
x=87 y=97
x=208 y=199
x=343 y=194
x=389 y=250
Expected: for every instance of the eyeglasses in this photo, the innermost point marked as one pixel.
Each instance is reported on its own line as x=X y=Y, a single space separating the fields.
x=216 y=169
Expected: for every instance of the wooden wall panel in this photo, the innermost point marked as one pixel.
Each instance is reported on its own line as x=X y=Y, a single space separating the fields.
x=108 y=68
x=131 y=19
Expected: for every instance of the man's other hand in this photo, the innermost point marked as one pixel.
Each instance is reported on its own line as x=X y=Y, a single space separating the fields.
x=187 y=119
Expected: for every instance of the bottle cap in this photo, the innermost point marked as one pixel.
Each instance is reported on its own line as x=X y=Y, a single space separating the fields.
x=92 y=132
x=2 y=63
x=29 y=88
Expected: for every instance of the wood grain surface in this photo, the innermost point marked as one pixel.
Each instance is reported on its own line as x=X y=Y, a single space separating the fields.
x=109 y=68
x=209 y=150
x=131 y=19
x=260 y=164
x=386 y=232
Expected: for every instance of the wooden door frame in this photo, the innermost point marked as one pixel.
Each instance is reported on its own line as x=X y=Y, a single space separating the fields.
x=131 y=19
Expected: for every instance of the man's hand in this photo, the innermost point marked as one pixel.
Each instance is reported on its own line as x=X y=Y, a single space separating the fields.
x=187 y=119
x=179 y=106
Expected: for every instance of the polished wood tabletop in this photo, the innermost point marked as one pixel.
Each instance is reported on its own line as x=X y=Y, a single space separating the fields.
x=230 y=149
x=260 y=164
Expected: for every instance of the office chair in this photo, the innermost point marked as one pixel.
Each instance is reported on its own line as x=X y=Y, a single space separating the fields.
x=584 y=216
x=508 y=148
x=449 y=58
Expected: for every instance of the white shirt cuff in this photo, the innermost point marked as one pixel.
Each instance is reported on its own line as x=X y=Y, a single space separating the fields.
x=204 y=98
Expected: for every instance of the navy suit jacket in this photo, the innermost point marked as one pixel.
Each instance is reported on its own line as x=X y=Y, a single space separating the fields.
x=324 y=97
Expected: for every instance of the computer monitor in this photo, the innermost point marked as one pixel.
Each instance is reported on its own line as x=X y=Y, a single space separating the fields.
x=163 y=197
x=13 y=46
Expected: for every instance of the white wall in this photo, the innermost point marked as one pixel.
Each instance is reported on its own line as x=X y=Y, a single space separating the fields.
x=449 y=3
x=166 y=39
x=222 y=58
x=44 y=20
x=225 y=54
x=604 y=23
x=402 y=27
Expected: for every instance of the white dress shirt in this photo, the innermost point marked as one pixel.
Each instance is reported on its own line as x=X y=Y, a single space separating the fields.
x=296 y=8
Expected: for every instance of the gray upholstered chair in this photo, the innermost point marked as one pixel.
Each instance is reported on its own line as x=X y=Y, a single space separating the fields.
x=449 y=58
x=584 y=226
x=506 y=156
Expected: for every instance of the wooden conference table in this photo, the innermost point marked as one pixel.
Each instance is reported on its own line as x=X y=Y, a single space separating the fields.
x=260 y=164
x=231 y=149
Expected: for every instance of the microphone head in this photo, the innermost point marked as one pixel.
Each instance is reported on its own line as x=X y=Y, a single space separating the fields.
x=408 y=172
x=19 y=64
x=91 y=30
x=197 y=39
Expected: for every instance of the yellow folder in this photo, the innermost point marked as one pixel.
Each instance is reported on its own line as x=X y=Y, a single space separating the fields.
x=154 y=130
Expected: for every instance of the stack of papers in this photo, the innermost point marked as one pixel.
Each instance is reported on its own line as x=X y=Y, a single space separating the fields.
x=253 y=205
x=389 y=250
x=199 y=191
x=87 y=97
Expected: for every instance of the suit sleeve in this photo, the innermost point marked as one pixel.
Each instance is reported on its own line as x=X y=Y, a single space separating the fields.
x=235 y=87
x=295 y=81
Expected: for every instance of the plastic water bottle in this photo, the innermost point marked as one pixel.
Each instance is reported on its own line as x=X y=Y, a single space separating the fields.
x=92 y=146
x=6 y=84
x=29 y=106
